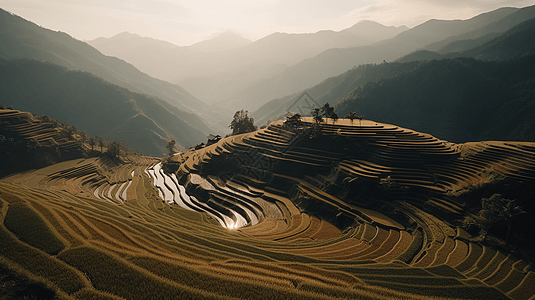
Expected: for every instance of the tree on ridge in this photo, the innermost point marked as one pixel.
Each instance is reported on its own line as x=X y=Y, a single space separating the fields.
x=360 y=120
x=242 y=123
x=334 y=117
x=351 y=115
x=327 y=110
x=170 y=147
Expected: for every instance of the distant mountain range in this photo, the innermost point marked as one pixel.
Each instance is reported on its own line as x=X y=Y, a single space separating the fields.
x=333 y=62
x=281 y=64
x=439 y=96
x=20 y=38
x=216 y=76
x=223 y=42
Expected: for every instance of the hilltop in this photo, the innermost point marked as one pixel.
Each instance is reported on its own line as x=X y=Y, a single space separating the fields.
x=354 y=210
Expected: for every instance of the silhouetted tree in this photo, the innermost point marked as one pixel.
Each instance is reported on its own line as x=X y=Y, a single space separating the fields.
x=495 y=209
x=509 y=212
x=115 y=148
x=351 y=115
x=360 y=120
x=334 y=117
x=92 y=143
x=170 y=147
x=242 y=123
x=100 y=141
x=327 y=110
x=317 y=116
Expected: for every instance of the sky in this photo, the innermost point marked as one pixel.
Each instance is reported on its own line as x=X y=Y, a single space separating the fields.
x=184 y=22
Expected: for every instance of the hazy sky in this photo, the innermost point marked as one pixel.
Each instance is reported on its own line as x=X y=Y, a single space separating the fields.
x=186 y=22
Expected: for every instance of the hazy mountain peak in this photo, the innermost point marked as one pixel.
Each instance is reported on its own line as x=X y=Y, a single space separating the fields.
x=372 y=25
x=126 y=35
x=227 y=40
x=129 y=40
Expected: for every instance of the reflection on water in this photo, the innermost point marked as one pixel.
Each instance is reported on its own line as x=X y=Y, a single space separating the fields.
x=171 y=191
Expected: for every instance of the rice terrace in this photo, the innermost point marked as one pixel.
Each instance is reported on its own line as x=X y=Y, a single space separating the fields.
x=362 y=210
x=187 y=150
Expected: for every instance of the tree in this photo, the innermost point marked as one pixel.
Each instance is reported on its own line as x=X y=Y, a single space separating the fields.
x=115 y=149
x=317 y=116
x=242 y=123
x=100 y=141
x=170 y=147
x=334 y=117
x=493 y=210
x=360 y=120
x=351 y=115
x=509 y=212
x=92 y=143
x=327 y=110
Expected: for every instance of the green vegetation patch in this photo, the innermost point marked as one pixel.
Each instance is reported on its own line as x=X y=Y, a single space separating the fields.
x=415 y=246
x=14 y=284
x=446 y=271
x=111 y=274
x=30 y=228
x=39 y=263
x=216 y=284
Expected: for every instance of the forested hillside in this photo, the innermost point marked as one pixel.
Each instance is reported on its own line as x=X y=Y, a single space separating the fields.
x=333 y=89
x=514 y=42
x=100 y=108
x=459 y=99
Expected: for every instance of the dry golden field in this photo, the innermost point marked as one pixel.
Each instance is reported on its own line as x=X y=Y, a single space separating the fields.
x=270 y=214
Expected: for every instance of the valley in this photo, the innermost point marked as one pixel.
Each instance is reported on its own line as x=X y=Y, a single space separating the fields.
x=121 y=178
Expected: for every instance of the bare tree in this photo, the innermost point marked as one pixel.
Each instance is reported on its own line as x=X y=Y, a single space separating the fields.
x=360 y=120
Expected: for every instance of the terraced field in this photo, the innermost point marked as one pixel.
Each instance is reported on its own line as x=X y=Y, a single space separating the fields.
x=264 y=215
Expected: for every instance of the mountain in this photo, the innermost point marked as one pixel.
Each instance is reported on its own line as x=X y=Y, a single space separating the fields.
x=223 y=42
x=460 y=99
x=22 y=39
x=485 y=33
x=333 y=62
x=206 y=74
x=330 y=90
x=144 y=123
x=497 y=46
x=269 y=56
